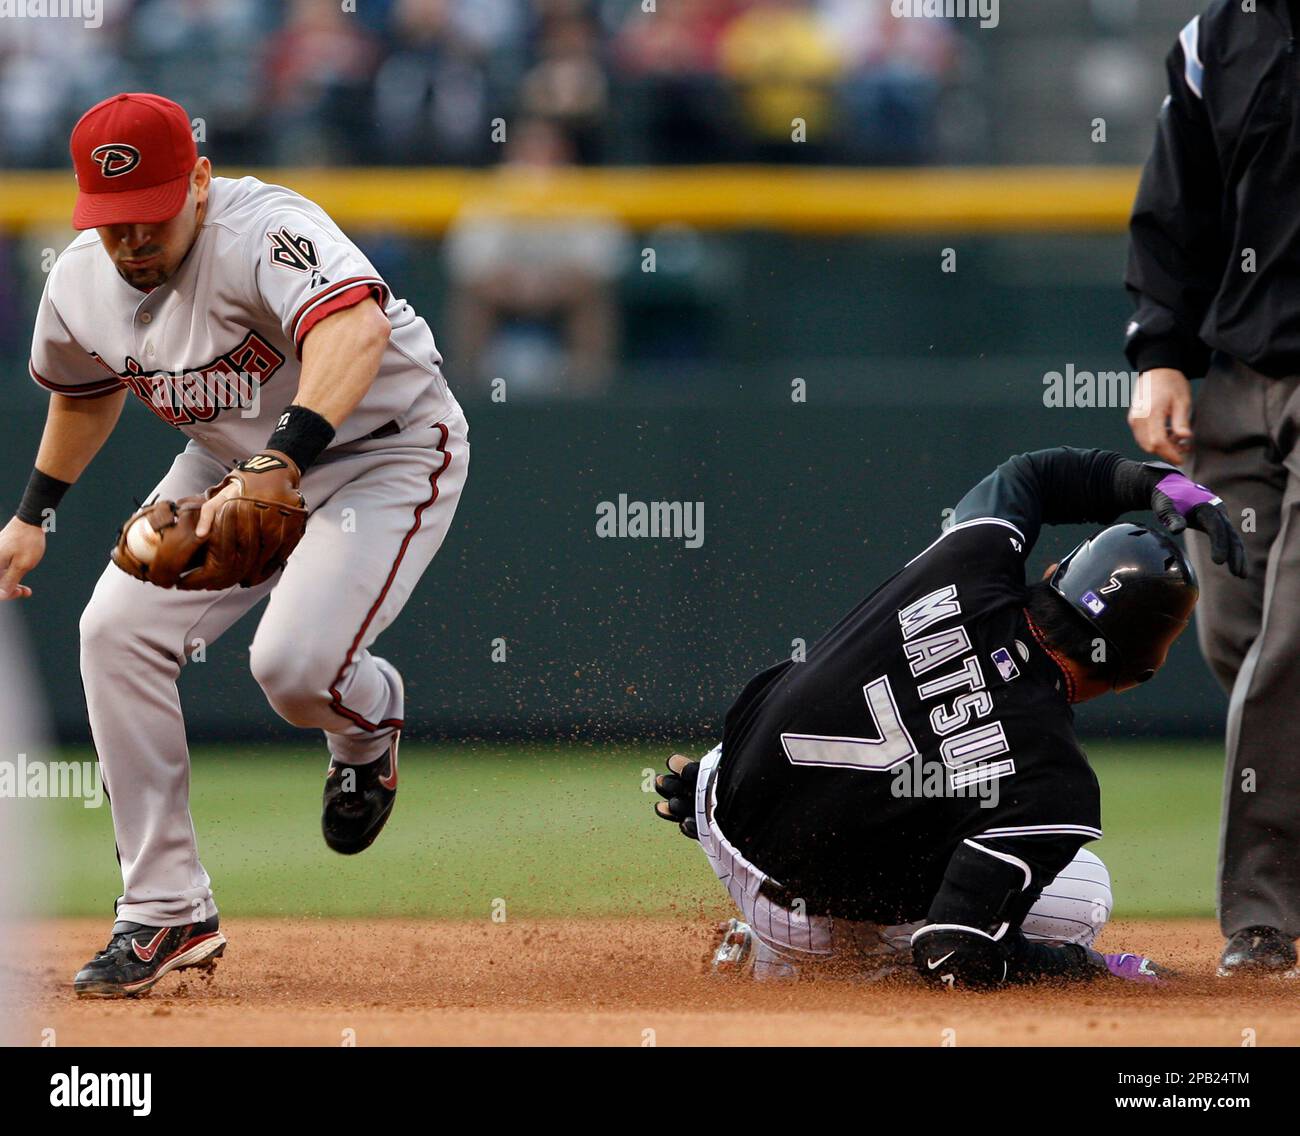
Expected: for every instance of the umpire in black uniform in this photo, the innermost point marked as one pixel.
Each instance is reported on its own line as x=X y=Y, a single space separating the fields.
x=1214 y=271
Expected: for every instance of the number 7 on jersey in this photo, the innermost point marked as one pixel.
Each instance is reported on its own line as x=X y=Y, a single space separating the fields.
x=879 y=755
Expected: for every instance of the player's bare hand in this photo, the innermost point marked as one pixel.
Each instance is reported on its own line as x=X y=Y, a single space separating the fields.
x=21 y=548
x=677 y=787
x=210 y=507
x=1160 y=414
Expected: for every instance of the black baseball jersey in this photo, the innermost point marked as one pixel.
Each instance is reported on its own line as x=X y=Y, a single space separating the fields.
x=929 y=716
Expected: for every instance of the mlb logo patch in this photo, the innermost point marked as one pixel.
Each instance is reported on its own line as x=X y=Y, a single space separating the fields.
x=1093 y=602
x=1005 y=663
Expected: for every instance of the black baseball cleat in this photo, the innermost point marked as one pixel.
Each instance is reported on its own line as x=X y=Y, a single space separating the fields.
x=138 y=955
x=1257 y=950
x=358 y=799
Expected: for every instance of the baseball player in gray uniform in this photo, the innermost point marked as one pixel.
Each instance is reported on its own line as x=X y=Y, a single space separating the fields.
x=240 y=314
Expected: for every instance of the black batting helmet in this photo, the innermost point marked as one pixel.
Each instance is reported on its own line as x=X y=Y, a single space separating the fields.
x=1136 y=589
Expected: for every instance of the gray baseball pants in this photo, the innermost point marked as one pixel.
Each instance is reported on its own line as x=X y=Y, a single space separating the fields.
x=1247 y=449
x=380 y=509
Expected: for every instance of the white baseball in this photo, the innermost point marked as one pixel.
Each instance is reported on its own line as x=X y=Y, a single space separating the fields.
x=142 y=540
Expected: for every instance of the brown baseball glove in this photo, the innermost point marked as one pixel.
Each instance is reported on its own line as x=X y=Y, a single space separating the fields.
x=250 y=539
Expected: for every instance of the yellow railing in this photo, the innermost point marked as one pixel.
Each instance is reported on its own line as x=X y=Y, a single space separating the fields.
x=1006 y=199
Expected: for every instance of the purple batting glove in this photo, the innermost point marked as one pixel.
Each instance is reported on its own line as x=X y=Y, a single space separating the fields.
x=1181 y=503
x=1133 y=968
x=1184 y=494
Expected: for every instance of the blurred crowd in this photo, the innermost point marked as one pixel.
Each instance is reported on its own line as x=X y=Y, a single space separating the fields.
x=423 y=81
x=527 y=85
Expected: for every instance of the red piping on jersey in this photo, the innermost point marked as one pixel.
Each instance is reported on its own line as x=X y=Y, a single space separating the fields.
x=336 y=699
x=344 y=294
x=1055 y=656
x=86 y=390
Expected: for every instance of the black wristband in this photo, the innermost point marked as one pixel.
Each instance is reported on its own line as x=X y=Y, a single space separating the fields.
x=43 y=493
x=1134 y=483
x=302 y=434
x=1032 y=961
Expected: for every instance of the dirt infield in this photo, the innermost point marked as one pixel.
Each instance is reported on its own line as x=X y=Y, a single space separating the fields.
x=597 y=982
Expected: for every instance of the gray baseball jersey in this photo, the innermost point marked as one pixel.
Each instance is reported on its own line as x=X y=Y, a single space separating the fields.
x=216 y=351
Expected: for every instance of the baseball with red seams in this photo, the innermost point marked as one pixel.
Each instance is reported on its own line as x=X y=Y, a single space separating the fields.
x=142 y=540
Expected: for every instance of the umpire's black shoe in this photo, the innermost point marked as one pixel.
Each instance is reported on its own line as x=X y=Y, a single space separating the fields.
x=1257 y=950
x=358 y=799
x=138 y=955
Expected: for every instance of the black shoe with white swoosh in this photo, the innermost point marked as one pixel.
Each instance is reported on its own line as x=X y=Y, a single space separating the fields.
x=358 y=800
x=138 y=955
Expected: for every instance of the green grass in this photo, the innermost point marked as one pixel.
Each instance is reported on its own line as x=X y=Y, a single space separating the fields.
x=559 y=831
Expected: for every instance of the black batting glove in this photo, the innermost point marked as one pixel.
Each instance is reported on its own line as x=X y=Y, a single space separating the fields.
x=677 y=787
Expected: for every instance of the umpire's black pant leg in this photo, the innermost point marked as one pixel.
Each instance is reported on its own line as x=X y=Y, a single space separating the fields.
x=1249 y=630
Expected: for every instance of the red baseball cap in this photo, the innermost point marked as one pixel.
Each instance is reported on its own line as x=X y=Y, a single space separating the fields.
x=133 y=155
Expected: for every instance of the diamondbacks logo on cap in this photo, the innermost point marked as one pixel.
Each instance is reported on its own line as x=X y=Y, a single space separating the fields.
x=115 y=158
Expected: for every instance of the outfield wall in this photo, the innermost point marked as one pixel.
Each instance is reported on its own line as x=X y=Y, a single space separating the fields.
x=805 y=507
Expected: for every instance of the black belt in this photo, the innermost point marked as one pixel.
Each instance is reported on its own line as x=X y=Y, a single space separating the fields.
x=778 y=893
x=787 y=897
x=769 y=889
x=387 y=430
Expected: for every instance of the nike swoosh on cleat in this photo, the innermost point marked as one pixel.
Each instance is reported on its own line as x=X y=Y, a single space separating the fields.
x=390 y=782
x=939 y=962
x=145 y=954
